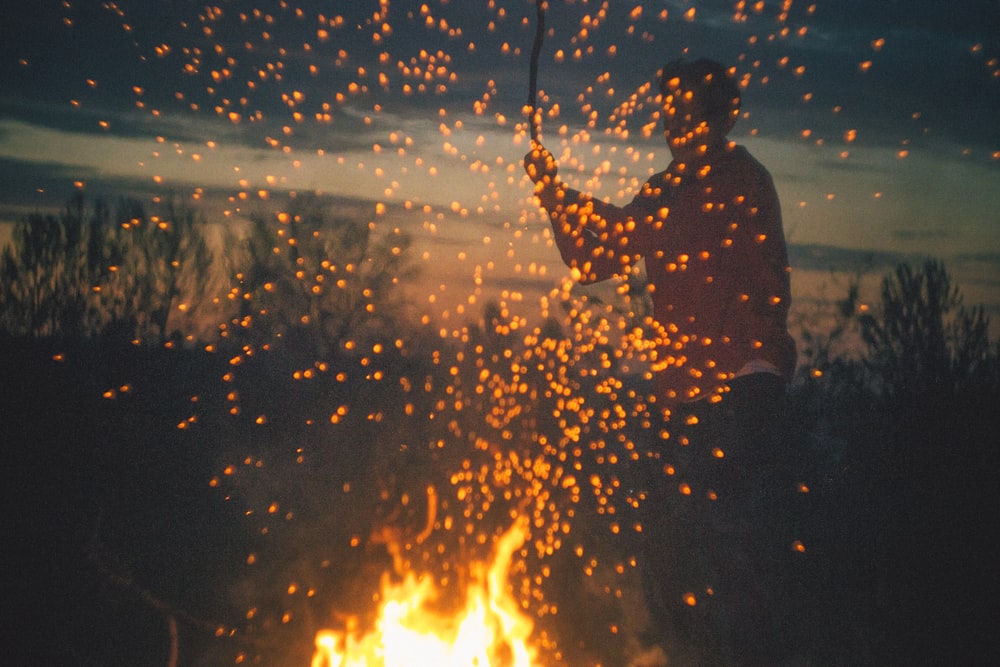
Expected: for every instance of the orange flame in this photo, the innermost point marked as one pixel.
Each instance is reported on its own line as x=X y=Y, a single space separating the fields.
x=490 y=631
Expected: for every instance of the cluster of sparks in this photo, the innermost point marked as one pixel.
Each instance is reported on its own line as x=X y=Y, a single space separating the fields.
x=535 y=425
x=294 y=73
x=523 y=426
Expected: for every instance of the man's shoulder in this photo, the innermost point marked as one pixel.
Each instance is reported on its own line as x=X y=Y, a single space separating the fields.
x=742 y=166
x=742 y=156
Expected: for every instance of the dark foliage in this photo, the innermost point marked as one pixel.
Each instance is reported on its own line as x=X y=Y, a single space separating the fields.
x=311 y=281
x=907 y=430
x=149 y=483
x=91 y=271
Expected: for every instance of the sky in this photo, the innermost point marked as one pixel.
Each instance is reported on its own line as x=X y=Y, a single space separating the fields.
x=878 y=120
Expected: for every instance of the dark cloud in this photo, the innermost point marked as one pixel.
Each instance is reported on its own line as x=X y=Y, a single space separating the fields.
x=29 y=187
x=920 y=234
x=979 y=268
x=928 y=85
x=976 y=17
x=925 y=67
x=815 y=257
x=986 y=257
x=899 y=72
x=850 y=166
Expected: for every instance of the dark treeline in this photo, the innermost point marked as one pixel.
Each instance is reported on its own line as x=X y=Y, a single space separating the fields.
x=92 y=272
x=186 y=435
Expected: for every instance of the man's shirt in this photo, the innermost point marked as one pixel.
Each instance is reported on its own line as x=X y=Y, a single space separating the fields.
x=711 y=235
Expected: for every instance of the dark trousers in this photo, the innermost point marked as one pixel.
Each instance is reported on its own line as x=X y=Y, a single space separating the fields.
x=720 y=530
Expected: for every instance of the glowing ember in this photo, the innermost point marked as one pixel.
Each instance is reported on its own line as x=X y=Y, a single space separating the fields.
x=489 y=631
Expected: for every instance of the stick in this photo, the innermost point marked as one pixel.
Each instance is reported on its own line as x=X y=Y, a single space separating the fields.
x=536 y=49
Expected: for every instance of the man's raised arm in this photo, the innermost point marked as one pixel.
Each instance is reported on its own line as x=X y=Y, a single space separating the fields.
x=588 y=233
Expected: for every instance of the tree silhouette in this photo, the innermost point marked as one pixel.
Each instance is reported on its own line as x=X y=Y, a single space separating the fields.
x=316 y=282
x=164 y=270
x=49 y=271
x=931 y=466
x=923 y=342
x=89 y=272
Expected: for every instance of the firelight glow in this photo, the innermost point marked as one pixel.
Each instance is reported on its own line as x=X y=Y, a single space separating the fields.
x=490 y=630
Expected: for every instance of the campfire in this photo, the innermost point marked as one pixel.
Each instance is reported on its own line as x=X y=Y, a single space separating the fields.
x=490 y=629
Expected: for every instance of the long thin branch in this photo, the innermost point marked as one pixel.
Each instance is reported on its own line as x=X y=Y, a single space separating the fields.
x=536 y=50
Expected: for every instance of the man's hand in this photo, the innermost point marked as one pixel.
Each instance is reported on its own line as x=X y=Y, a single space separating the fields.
x=540 y=164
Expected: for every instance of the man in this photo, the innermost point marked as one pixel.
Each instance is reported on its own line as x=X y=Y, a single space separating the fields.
x=709 y=229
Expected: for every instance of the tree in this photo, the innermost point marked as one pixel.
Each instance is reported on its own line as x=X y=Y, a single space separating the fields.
x=931 y=469
x=923 y=342
x=50 y=270
x=88 y=272
x=316 y=282
x=161 y=270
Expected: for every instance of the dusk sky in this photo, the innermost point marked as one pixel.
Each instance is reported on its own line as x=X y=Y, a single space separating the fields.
x=877 y=119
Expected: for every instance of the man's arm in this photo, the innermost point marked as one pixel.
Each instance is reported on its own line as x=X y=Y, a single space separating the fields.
x=590 y=234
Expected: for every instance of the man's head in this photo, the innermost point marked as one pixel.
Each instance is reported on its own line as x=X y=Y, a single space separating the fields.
x=701 y=102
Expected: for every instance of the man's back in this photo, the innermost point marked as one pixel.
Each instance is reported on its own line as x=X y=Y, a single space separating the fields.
x=711 y=235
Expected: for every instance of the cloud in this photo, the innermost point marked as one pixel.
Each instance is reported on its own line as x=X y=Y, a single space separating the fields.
x=920 y=234
x=817 y=257
x=165 y=88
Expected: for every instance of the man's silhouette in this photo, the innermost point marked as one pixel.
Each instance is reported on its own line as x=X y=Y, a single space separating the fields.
x=709 y=229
